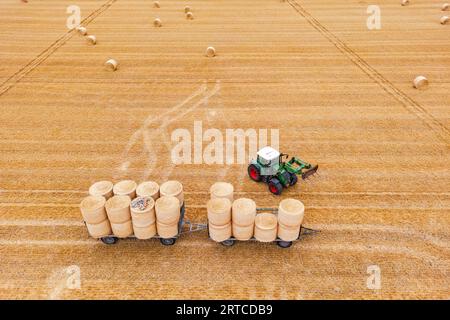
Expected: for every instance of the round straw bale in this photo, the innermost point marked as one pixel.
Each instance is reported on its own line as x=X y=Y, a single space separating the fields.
x=93 y=209
x=122 y=230
x=91 y=40
x=82 y=30
x=99 y=230
x=143 y=211
x=112 y=64
x=156 y=4
x=420 y=82
x=219 y=211
x=243 y=212
x=189 y=16
x=125 y=188
x=172 y=188
x=288 y=233
x=167 y=210
x=222 y=190
x=220 y=233
x=148 y=189
x=405 y=2
x=445 y=7
x=187 y=9
x=118 y=209
x=291 y=212
x=444 y=19
x=146 y=232
x=157 y=22
x=243 y=233
x=102 y=188
x=166 y=230
x=266 y=227
x=210 y=52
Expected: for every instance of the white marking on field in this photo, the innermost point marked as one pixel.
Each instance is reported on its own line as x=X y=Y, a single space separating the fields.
x=147 y=133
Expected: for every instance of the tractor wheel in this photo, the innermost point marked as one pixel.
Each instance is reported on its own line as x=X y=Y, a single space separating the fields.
x=294 y=179
x=109 y=240
x=275 y=186
x=254 y=173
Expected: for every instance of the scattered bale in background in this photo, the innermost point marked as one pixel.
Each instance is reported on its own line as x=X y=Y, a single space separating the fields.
x=112 y=64
x=82 y=30
x=210 y=52
x=156 y=4
x=444 y=20
x=190 y=16
x=125 y=188
x=405 y=2
x=91 y=39
x=420 y=82
x=157 y=22
x=102 y=188
x=445 y=6
x=187 y=9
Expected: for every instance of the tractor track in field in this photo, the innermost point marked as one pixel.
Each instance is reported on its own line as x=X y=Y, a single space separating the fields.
x=412 y=106
x=46 y=53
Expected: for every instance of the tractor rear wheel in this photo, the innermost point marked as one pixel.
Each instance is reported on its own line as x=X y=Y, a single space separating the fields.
x=294 y=179
x=275 y=186
x=254 y=173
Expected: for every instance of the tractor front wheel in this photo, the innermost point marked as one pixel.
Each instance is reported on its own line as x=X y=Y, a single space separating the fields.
x=294 y=179
x=275 y=186
x=254 y=173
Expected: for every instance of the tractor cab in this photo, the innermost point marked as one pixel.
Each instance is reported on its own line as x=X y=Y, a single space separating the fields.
x=269 y=160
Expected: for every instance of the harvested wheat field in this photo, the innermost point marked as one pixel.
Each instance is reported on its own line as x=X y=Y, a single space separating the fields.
x=341 y=96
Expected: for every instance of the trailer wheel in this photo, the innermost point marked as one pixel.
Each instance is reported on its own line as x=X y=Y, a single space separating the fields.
x=284 y=244
x=228 y=243
x=275 y=186
x=109 y=240
x=168 y=242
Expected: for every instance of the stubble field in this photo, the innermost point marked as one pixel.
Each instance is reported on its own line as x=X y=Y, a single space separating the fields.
x=339 y=94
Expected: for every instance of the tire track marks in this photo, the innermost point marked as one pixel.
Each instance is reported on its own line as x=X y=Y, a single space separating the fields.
x=442 y=132
x=44 y=55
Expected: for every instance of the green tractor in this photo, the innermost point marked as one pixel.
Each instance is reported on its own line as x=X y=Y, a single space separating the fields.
x=270 y=167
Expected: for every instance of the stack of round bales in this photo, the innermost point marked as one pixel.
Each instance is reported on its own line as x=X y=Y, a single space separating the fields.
x=118 y=210
x=94 y=214
x=102 y=188
x=125 y=188
x=167 y=210
x=290 y=218
x=219 y=219
x=148 y=189
x=172 y=188
x=143 y=217
x=219 y=211
x=243 y=218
